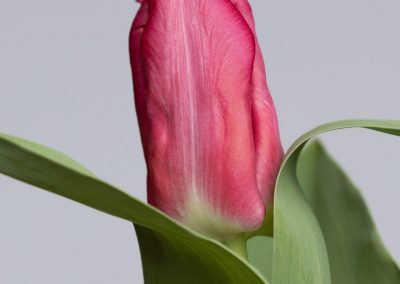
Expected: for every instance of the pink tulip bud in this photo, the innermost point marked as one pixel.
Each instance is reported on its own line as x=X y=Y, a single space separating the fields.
x=207 y=121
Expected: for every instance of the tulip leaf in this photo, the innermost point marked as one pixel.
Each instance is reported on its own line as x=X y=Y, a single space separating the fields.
x=356 y=253
x=300 y=254
x=172 y=253
x=168 y=259
x=300 y=249
x=260 y=254
x=169 y=250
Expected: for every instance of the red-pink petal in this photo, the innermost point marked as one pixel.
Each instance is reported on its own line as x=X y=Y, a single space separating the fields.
x=204 y=112
x=269 y=151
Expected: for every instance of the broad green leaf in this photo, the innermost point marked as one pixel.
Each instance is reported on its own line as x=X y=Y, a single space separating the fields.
x=169 y=250
x=169 y=260
x=356 y=253
x=299 y=250
x=260 y=254
x=300 y=253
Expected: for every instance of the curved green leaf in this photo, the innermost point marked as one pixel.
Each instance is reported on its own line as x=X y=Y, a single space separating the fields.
x=161 y=238
x=356 y=253
x=260 y=254
x=300 y=252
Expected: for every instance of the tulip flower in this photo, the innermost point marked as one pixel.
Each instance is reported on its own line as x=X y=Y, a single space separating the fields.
x=207 y=121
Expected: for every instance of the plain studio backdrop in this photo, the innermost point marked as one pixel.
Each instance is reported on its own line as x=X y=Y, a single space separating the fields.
x=65 y=82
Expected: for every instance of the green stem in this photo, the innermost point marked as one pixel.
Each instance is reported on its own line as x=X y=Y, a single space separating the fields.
x=238 y=245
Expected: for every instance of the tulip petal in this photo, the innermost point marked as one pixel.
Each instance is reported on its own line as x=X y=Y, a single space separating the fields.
x=135 y=40
x=269 y=151
x=195 y=113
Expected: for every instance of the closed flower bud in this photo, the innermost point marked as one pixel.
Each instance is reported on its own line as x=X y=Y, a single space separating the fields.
x=207 y=121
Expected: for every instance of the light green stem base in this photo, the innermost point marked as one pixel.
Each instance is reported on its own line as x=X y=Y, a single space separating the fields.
x=239 y=246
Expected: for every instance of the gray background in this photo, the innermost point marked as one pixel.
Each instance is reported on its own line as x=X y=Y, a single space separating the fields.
x=65 y=82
